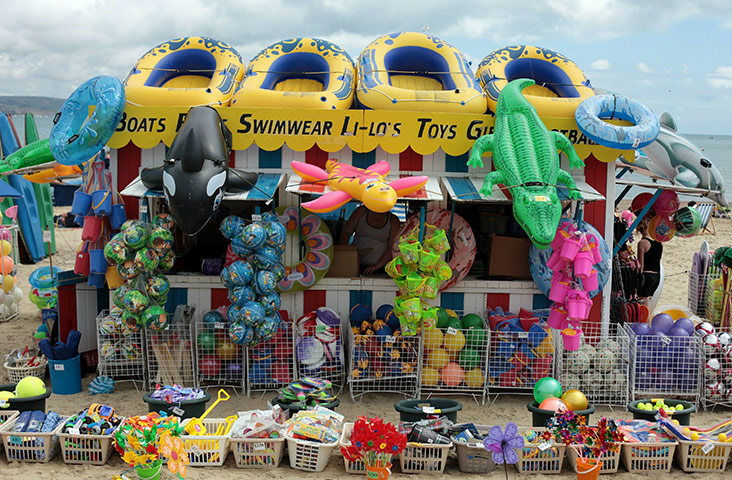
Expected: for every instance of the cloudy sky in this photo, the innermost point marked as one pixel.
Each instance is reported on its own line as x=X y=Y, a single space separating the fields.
x=672 y=55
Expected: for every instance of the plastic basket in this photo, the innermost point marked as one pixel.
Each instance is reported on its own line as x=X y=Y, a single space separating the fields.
x=309 y=456
x=610 y=460
x=424 y=458
x=206 y=450
x=84 y=449
x=5 y=416
x=258 y=452
x=540 y=458
x=702 y=456
x=351 y=467
x=17 y=374
x=474 y=458
x=648 y=456
x=38 y=447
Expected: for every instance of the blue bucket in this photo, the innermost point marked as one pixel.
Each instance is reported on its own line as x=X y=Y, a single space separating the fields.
x=118 y=216
x=96 y=280
x=97 y=262
x=101 y=202
x=81 y=204
x=79 y=220
x=66 y=375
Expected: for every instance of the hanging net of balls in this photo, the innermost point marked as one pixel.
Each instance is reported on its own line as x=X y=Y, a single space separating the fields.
x=599 y=368
x=170 y=355
x=120 y=348
x=455 y=355
x=717 y=346
x=663 y=363
x=319 y=347
x=219 y=361
x=270 y=364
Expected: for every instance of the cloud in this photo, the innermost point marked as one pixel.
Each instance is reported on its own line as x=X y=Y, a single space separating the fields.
x=644 y=68
x=684 y=69
x=721 y=78
x=601 y=64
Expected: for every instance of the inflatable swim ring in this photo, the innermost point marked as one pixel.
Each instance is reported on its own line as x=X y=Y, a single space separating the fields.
x=417 y=72
x=76 y=136
x=43 y=286
x=298 y=73
x=186 y=71
x=591 y=112
x=542 y=274
x=318 y=251
x=560 y=84
x=462 y=241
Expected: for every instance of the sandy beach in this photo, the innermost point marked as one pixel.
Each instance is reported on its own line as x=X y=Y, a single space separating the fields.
x=128 y=401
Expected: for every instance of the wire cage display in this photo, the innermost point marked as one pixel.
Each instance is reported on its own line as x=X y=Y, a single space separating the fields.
x=120 y=348
x=270 y=365
x=700 y=288
x=170 y=355
x=599 y=368
x=717 y=369
x=455 y=358
x=9 y=259
x=384 y=363
x=219 y=361
x=664 y=366
x=319 y=347
x=718 y=297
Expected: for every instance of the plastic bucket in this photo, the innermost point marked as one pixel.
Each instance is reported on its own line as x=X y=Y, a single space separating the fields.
x=149 y=473
x=101 y=202
x=583 y=264
x=113 y=278
x=378 y=473
x=118 y=216
x=79 y=220
x=570 y=247
x=588 y=469
x=555 y=261
x=81 y=264
x=96 y=280
x=65 y=375
x=191 y=408
x=97 y=262
x=25 y=404
x=557 y=317
x=587 y=307
x=590 y=283
x=575 y=308
x=594 y=249
x=571 y=340
x=558 y=292
x=92 y=229
x=81 y=203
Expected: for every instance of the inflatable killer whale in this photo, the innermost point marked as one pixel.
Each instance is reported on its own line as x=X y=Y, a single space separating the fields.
x=196 y=170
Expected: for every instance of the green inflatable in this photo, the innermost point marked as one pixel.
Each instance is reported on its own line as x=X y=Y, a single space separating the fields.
x=526 y=161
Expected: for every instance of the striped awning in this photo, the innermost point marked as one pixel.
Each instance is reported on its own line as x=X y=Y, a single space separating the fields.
x=298 y=186
x=467 y=189
x=264 y=189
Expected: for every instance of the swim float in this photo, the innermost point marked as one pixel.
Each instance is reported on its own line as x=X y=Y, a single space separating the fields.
x=76 y=135
x=560 y=83
x=318 y=251
x=590 y=115
x=298 y=73
x=185 y=71
x=417 y=72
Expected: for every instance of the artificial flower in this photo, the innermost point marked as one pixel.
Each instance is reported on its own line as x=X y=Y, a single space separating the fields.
x=502 y=443
x=172 y=448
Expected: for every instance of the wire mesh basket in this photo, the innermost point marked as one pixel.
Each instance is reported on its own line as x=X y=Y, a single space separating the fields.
x=384 y=363
x=699 y=288
x=169 y=356
x=219 y=361
x=717 y=368
x=270 y=365
x=319 y=350
x=120 y=348
x=10 y=308
x=663 y=366
x=714 y=290
x=599 y=368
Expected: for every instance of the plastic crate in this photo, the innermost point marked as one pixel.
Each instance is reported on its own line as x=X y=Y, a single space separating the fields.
x=702 y=456
x=309 y=456
x=84 y=449
x=206 y=450
x=649 y=456
x=351 y=467
x=258 y=452
x=610 y=460
x=17 y=374
x=38 y=447
x=540 y=458
x=474 y=458
x=424 y=458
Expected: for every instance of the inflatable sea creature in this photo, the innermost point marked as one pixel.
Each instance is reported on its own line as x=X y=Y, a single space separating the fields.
x=366 y=185
x=196 y=171
x=526 y=161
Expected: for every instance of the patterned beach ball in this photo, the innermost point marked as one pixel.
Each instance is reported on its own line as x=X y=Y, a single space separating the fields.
x=253 y=236
x=252 y=313
x=239 y=295
x=231 y=226
x=271 y=302
x=240 y=333
x=240 y=273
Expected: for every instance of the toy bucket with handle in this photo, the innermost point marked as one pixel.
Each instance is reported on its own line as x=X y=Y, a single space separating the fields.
x=558 y=292
x=81 y=204
x=590 y=283
x=97 y=262
x=195 y=426
x=92 y=229
x=570 y=247
x=102 y=202
x=81 y=264
x=571 y=339
x=557 y=317
x=118 y=216
x=583 y=264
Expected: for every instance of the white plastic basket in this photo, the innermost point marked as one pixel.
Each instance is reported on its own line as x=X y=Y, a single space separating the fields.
x=702 y=456
x=206 y=450
x=258 y=452
x=649 y=456
x=424 y=458
x=5 y=416
x=17 y=374
x=540 y=458
x=357 y=467
x=84 y=449
x=309 y=456
x=37 y=447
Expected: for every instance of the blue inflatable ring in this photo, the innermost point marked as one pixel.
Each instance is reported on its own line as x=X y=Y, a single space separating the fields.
x=591 y=112
x=43 y=278
x=77 y=136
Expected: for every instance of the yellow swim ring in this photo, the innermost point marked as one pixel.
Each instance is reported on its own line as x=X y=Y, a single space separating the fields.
x=417 y=72
x=298 y=73
x=187 y=71
x=560 y=84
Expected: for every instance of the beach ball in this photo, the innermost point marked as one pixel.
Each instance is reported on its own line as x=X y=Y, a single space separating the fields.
x=253 y=236
x=131 y=321
x=430 y=377
x=30 y=387
x=135 y=301
x=278 y=270
x=209 y=366
x=685 y=324
x=382 y=311
x=454 y=343
x=115 y=251
x=118 y=296
x=264 y=282
x=667 y=203
x=469 y=358
x=452 y=375
x=240 y=273
x=240 y=334
x=155 y=318
x=127 y=224
x=231 y=226
x=661 y=228
x=437 y=358
x=545 y=388
x=157 y=285
x=270 y=301
x=5 y=247
x=135 y=236
x=160 y=240
x=252 y=313
x=276 y=233
x=433 y=339
x=128 y=270
x=687 y=222
x=164 y=220
x=640 y=201
x=167 y=261
x=553 y=404
x=266 y=257
x=474 y=378
x=8 y=283
x=574 y=400
x=213 y=316
x=475 y=337
x=206 y=341
x=472 y=320
x=268 y=327
x=237 y=245
x=233 y=314
x=662 y=323
x=360 y=313
x=241 y=295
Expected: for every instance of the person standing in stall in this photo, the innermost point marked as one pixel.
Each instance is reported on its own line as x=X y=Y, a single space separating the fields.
x=649 y=257
x=375 y=233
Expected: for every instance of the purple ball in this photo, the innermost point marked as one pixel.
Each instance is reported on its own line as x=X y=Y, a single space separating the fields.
x=678 y=332
x=686 y=324
x=662 y=323
x=641 y=328
x=233 y=370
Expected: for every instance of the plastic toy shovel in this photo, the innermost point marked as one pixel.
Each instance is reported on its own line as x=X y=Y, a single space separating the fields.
x=195 y=425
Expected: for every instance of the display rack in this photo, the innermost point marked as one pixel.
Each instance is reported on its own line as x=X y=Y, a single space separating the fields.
x=120 y=349
x=219 y=361
x=271 y=365
x=170 y=356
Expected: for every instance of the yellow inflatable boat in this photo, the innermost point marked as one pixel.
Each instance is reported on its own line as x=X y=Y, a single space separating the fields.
x=298 y=73
x=560 y=84
x=188 y=71
x=417 y=72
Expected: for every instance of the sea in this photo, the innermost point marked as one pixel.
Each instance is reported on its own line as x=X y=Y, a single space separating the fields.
x=718 y=149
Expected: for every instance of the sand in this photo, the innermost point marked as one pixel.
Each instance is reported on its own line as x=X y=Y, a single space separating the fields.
x=128 y=401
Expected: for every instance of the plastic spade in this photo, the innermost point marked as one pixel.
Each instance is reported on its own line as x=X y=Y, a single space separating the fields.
x=195 y=426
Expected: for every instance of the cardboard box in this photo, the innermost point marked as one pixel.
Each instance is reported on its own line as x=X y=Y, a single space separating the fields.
x=508 y=257
x=345 y=262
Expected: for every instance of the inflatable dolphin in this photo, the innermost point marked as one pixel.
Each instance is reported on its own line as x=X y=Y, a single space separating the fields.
x=678 y=160
x=196 y=171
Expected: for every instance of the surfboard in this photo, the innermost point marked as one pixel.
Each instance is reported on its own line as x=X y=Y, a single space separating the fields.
x=42 y=191
x=657 y=294
x=28 y=219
